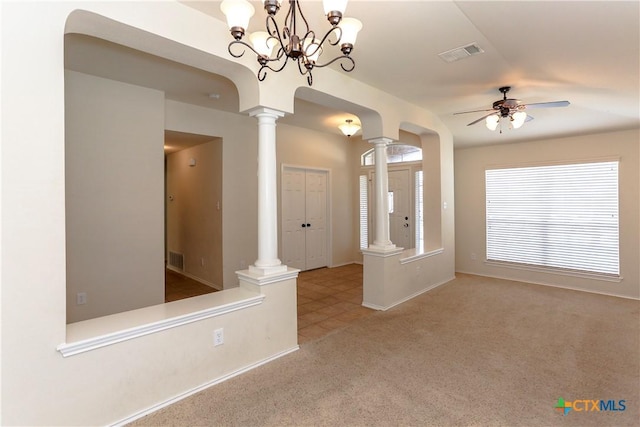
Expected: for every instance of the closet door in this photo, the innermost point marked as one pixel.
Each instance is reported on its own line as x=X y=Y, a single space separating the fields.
x=304 y=218
x=316 y=212
x=293 y=216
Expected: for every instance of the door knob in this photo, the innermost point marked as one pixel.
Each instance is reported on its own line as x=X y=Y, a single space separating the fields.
x=406 y=225
x=304 y=225
x=308 y=225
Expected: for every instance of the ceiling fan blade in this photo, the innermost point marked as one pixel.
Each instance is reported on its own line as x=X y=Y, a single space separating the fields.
x=474 y=111
x=481 y=118
x=548 y=104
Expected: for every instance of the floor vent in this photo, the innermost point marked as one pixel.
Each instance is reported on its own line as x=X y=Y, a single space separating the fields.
x=176 y=260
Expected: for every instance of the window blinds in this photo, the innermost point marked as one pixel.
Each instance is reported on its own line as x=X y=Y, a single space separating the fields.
x=364 y=217
x=561 y=216
x=419 y=206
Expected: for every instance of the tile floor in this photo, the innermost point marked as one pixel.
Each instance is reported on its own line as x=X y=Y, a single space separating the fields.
x=329 y=299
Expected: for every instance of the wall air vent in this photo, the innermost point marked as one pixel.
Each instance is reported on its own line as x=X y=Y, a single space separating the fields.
x=176 y=260
x=461 y=52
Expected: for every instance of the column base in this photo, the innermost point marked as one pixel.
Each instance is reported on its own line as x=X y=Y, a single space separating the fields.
x=390 y=249
x=256 y=276
x=267 y=270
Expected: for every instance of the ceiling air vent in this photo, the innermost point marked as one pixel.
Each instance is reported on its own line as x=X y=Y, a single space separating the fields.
x=461 y=52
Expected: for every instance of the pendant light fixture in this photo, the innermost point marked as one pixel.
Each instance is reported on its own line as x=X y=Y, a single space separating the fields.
x=349 y=128
x=294 y=41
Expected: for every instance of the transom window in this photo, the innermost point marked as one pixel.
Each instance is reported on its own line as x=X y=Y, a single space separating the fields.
x=396 y=153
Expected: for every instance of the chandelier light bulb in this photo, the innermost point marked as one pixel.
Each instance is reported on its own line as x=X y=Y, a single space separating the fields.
x=350 y=28
x=312 y=49
x=492 y=121
x=262 y=42
x=238 y=13
x=334 y=6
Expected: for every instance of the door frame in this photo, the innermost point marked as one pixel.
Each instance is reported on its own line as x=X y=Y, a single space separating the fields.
x=329 y=222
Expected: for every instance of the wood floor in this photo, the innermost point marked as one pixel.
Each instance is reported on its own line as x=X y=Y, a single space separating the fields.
x=178 y=287
x=328 y=298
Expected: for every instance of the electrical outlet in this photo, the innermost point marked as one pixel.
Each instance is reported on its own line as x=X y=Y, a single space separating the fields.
x=218 y=337
x=81 y=298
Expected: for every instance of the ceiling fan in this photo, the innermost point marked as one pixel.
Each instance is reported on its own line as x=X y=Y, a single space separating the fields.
x=512 y=110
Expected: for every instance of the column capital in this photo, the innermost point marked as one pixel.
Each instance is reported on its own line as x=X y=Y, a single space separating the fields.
x=264 y=111
x=381 y=141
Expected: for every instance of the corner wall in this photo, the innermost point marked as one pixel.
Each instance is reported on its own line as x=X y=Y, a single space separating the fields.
x=470 y=165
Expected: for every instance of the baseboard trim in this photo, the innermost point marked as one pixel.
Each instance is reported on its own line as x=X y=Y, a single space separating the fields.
x=344 y=263
x=534 y=282
x=196 y=278
x=420 y=292
x=202 y=387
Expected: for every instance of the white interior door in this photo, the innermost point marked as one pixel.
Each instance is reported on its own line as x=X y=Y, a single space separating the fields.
x=401 y=217
x=304 y=218
x=293 y=215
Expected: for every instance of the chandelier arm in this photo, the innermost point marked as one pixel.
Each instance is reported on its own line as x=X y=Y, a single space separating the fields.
x=306 y=24
x=304 y=67
x=349 y=68
x=353 y=64
x=328 y=33
x=275 y=70
x=275 y=34
x=236 y=42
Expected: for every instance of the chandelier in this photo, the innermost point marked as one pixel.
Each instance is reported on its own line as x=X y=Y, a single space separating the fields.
x=295 y=42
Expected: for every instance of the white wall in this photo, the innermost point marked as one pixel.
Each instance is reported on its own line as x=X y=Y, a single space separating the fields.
x=39 y=386
x=114 y=196
x=194 y=210
x=470 y=201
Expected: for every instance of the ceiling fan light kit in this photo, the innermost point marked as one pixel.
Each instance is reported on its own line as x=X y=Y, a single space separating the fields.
x=511 y=110
x=302 y=47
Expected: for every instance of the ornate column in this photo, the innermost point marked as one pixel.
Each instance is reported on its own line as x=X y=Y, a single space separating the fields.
x=382 y=241
x=267 y=262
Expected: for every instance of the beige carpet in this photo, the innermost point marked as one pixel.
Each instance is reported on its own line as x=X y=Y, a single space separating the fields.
x=475 y=351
